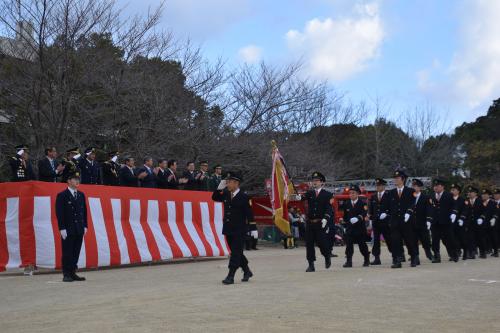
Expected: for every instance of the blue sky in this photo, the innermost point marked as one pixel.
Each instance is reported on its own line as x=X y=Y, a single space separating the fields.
x=408 y=53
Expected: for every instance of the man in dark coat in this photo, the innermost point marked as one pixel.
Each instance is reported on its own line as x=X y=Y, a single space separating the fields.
x=172 y=181
x=422 y=211
x=70 y=162
x=459 y=227
x=111 y=170
x=20 y=165
x=189 y=177
x=71 y=212
x=475 y=223
x=203 y=177
x=162 y=174
x=147 y=177
x=378 y=213
x=320 y=210
x=490 y=224
x=127 y=174
x=48 y=168
x=237 y=215
x=355 y=211
x=89 y=168
x=216 y=178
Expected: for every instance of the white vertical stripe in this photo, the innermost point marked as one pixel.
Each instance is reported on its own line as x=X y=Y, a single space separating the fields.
x=207 y=229
x=188 y=221
x=44 y=234
x=122 y=242
x=101 y=235
x=12 y=229
x=172 y=223
x=140 y=237
x=218 y=225
x=154 y=225
x=82 y=261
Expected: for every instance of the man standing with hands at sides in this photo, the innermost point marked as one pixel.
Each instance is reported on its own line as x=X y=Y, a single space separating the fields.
x=477 y=237
x=71 y=212
x=490 y=221
x=48 y=168
x=354 y=216
x=422 y=212
x=400 y=211
x=378 y=213
x=237 y=215
x=459 y=227
x=320 y=210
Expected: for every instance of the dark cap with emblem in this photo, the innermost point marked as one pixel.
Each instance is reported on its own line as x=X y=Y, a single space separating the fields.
x=233 y=175
x=217 y=166
x=400 y=173
x=486 y=191
x=21 y=147
x=89 y=150
x=417 y=182
x=380 y=181
x=113 y=153
x=438 y=181
x=354 y=188
x=74 y=150
x=318 y=175
x=472 y=189
x=74 y=175
x=456 y=186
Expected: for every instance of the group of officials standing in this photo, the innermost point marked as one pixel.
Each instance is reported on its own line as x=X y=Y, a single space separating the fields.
x=164 y=175
x=406 y=217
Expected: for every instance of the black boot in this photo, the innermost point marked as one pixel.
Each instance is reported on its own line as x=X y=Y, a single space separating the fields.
x=396 y=263
x=376 y=261
x=254 y=244
x=482 y=255
x=328 y=261
x=413 y=261
x=495 y=254
x=311 y=268
x=348 y=263
x=437 y=259
x=366 y=263
x=247 y=244
x=76 y=277
x=230 y=276
x=247 y=274
x=417 y=261
x=402 y=259
x=428 y=254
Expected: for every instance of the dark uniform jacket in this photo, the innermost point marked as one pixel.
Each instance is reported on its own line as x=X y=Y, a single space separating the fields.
x=442 y=209
x=71 y=212
x=128 y=177
x=90 y=172
x=237 y=212
x=110 y=173
x=422 y=211
x=21 y=171
x=488 y=212
x=376 y=208
x=319 y=207
x=191 y=184
x=475 y=211
x=203 y=184
x=162 y=178
x=358 y=211
x=173 y=183
x=215 y=181
x=148 y=181
x=47 y=170
x=399 y=206
x=460 y=208
x=70 y=167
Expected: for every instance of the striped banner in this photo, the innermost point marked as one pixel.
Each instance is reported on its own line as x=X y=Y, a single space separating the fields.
x=126 y=225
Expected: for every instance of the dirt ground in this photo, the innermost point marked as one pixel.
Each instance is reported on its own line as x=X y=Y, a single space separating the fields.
x=189 y=297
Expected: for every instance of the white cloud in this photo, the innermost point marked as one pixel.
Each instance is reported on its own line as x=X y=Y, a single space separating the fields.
x=472 y=75
x=250 y=54
x=337 y=49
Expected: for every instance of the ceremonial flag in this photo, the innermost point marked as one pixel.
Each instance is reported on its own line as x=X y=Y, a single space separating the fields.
x=281 y=188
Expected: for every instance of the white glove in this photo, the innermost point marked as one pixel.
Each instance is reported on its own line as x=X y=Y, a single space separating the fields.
x=254 y=234
x=353 y=220
x=323 y=223
x=383 y=216
x=492 y=222
x=407 y=217
x=479 y=221
x=85 y=231
x=453 y=218
x=222 y=185
x=64 y=234
x=428 y=225
x=460 y=222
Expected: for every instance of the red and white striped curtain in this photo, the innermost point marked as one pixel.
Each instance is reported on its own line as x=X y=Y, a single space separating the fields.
x=125 y=225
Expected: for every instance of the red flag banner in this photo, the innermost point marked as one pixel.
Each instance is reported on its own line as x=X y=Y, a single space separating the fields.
x=125 y=225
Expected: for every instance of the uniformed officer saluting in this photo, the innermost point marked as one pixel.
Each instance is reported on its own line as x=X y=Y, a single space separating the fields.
x=71 y=211
x=20 y=166
x=90 y=169
x=319 y=212
x=237 y=215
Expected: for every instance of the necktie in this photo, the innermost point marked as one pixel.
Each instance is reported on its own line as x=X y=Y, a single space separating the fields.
x=399 y=192
x=53 y=164
x=438 y=196
x=74 y=194
x=379 y=196
x=232 y=195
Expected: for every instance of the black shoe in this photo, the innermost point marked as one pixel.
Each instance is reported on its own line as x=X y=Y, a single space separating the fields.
x=247 y=275
x=77 y=278
x=464 y=257
x=366 y=263
x=68 y=278
x=310 y=268
x=376 y=261
x=413 y=262
x=436 y=260
x=333 y=255
x=228 y=280
x=455 y=259
x=417 y=261
x=402 y=259
x=482 y=256
x=347 y=264
x=396 y=265
x=328 y=262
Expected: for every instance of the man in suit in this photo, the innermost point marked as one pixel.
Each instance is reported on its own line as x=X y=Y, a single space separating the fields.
x=146 y=176
x=422 y=212
x=459 y=227
x=189 y=177
x=400 y=211
x=378 y=213
x=89 y=168
x=48 y=168
x=172 y=181
x=71 y=212
x=127 y=173
x=355 y=211
x=237 y=215
x=319 y=212
x=443 y=217
x=70 y=162
x=161 y=174
x=111 y=170
x=20 y=165
x=216 y=177
x=203 y=177
x=490 y=224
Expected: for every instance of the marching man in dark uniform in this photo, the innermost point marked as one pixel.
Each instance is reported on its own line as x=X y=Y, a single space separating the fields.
x=111 y=170
x=319 y=212
x=71 y=212
x=378 y=213
x=20 y=165
x=490 y=222
x=443 y=217
x=422 y=218
x=496 y=197
x=459 y=227
x=48 y=168
x=89 y=168
x=400 y=212
x=70 y=163
x=237 y=215
x=476 y=221
x=355 y=211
